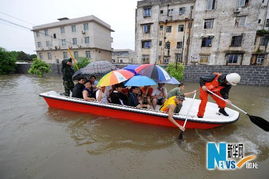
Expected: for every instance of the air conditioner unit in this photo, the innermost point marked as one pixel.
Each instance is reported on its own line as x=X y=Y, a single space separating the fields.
x=237 y=10
x=83 y=32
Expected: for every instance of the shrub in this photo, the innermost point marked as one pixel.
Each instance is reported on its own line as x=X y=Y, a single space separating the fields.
x=82 y=62
x=39 y=67
x=7 y=62
x=176 y=70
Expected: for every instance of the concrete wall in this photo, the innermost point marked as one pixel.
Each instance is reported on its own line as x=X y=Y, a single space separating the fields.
x=250 y=75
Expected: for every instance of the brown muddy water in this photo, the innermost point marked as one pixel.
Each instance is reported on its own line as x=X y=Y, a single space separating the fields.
x=40 y=142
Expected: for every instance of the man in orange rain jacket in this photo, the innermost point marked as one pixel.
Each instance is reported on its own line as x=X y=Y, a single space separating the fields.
x=220 y=85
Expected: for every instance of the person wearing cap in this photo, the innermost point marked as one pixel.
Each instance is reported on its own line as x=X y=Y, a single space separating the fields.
x=68 y=72
x=219 y=84
x=169 y=107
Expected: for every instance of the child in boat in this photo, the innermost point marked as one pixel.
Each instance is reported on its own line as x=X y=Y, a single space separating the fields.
x=169 y=107
x=159 y=95
x=146 y=95
x=102 y=94
x=88 y=93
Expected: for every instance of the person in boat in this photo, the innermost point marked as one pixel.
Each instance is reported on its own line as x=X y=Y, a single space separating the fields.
x=219 y=84
x=79 y=87
x=159 y=95
x=133 y=98
x=179 y=91
x=102 y=94
x=68 y=72
x=169 y=107
x=94 y=82
x=116 y=96
x=88 y=93
x=146 y=95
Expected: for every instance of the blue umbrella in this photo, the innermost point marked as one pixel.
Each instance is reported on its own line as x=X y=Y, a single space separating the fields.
x=155 y=72
x=171 y=81
x=131 y=68
x=139 y=80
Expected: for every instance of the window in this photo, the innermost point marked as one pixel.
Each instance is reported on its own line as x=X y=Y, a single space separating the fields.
x=180 y=28
x=160 y=43
x=179 y=44
x=37 y=34
x=236 y=41
x=264 y=41
x=63 y=42
x=49 y=56
x=146 y=44
x=211 y=4
x=169 y=29
x=74 y=41
x=147 y=12
x=88 y=54
x=208 y=24
x=73 y=27
x=54 y=36
x=179 y=57
x=46 y=32
x=40 y=55
x=242 y=3
x=170 y=12
x=161 y=27
x=145 y=59
x=207 y=41
x=161 y=11
x=76 y=54
x=166 y=60
x=62 y=30
x=65 y=55
x=181 y=10
x=85 y=27
x=47 y=43
x=267 y=23
x=167 y=45
x=204 y=59
x=233 y=58
x=260 y=59
x=39 y=44
x=87 y=40
x=240 y=21
x=146 y=28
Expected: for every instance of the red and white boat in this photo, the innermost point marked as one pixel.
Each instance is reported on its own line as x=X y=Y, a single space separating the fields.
x=211 y=118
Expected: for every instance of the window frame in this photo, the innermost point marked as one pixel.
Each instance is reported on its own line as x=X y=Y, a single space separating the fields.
x=209 y=23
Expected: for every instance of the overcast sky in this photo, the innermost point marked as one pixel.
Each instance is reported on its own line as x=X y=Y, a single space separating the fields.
x=119 y=14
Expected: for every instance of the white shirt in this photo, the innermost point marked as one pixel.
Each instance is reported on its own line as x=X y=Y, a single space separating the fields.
x=157 y=92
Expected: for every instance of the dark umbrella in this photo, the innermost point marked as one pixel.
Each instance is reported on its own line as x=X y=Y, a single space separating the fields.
x=97 y=68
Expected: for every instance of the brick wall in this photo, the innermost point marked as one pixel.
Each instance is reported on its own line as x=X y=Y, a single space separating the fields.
x=250 y=75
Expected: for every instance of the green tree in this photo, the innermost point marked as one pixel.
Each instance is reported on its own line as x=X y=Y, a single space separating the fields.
x=39 y=67
x=7 y=62
x=82 y=62
x=176 y=70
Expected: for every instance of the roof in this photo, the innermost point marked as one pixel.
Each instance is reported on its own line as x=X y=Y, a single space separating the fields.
x=66 y=21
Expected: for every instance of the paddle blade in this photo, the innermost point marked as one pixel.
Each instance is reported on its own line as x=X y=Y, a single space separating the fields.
x=180 y=136
x=262 y=123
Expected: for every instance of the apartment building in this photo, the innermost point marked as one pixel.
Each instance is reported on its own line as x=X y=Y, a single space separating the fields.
x=123 y=56
x=85 y=36
x=210 y=32
x=163 y=30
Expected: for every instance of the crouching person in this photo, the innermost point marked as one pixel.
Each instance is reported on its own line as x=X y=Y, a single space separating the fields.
x=169 y=107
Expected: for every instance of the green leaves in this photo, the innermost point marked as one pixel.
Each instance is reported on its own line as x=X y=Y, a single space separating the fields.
x=176 y=70
x=82 y=62
x=39 y=67
x=7 y=62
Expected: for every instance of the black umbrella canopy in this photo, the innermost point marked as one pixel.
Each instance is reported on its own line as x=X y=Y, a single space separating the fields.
x=97 y=68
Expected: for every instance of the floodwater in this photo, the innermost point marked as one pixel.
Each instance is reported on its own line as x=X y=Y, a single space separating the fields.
x=40 y=142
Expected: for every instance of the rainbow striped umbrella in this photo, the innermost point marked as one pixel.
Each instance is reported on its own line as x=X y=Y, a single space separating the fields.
x=115 y=77
x=155 y=72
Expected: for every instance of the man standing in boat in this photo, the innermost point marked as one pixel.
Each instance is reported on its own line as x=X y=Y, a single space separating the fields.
x=219 y=84
x=169 y=107
x=68 y=72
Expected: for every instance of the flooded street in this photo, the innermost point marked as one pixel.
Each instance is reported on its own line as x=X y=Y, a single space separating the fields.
x=40 y=142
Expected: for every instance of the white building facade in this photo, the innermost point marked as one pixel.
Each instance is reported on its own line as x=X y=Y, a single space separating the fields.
x=123 y=56
x=85 y=36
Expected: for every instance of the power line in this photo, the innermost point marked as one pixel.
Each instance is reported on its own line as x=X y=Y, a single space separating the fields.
x=16 y=18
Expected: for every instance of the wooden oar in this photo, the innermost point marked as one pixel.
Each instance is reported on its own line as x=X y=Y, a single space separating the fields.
x=260 y=122
x=73 y=59
x=180 y=137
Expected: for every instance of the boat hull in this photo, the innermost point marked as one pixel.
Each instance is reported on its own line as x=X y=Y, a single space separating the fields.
x=120 y=112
